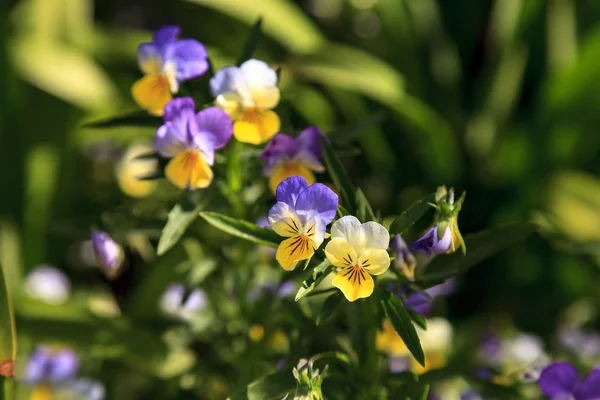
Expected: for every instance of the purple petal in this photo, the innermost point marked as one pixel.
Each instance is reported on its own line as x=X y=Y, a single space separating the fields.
x=558 y=378
x=106 y=250
x=190 y=58
x=148 y=52
x=166 y=34
x=196 y=301
x=310 y=140
x=289 y=189
x=263 y=222
x=419 y=303
x=227 y=79
x=320 y=200
x=35 y=371
x=448 y=287
x=430 y=243
x=217 y=123
x=590 y=387
x=179 y=128
x=177 y=107
x=63 y=366
x=280 y=149
x=286 y=288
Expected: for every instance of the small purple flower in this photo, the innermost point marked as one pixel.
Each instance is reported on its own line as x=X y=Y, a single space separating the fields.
x=561 y=381
x=173 y=303
x=286 y=156
x=108 y=253
x=405 y=262
x=190 y=140
x=431 y=242
x=166 y=62
x=421 y=302
x=48 y=284
x=301 y=214
x=47 y=364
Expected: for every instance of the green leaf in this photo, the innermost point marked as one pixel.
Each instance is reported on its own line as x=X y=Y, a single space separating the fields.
x=401 y=321
x=339 y=176
x=8 y=338
x=136 y=118
x=414 y=391
x=178 y=221
x=329 y=307
x=493 y=390
x=341 y=211
x=270 y=387
x=364 y=211
x=242 y=229
x=417 y=319
x=318 y=274
x=481 y=245
x=411 y=215
x=347 y=133
x=251 y=42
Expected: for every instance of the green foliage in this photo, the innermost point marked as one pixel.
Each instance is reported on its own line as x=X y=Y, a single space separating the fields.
x=8 y=338
x=242 y=229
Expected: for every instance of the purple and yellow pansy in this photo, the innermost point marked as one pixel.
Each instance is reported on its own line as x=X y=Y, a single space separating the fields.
x=190 y=139
x=166 y=62
x=286 y=156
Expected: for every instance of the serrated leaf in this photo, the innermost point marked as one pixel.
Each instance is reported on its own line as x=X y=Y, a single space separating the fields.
x=329 y=307
x=481 y=245
x=136 y=118
x=402 y=323
x=8 y=338
x=318 y=274
x=178 y=221
x=345 y=134
x=364 y=211
x=270 y=387
x=251 y=42
x=411 y=215
x=338 y=175
x=243 y=229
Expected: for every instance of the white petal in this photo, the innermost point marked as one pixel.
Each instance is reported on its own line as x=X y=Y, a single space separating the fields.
x=258 y=74
x=345 y=227
x=374 y=236
x=227 y=80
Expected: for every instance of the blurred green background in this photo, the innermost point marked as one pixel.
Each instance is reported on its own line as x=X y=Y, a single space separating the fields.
x=498 y=98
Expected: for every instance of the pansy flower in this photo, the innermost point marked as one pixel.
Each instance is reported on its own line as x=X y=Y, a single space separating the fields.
x=301 y=214
x=359 y=250
x=561 y=381
x=190 y=140
x=286 y=156
x=166 y=62
x=248 y=93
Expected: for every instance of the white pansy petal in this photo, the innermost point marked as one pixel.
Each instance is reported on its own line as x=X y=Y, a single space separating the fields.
x=374 y=236
x=345 y=227
x=284 y=220
x=258 y=74
x=226 y=80
x=375 y=261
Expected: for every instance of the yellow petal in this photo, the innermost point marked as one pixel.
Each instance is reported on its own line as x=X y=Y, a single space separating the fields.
x=41 y=392
x=152 y=93
x=288 y=169
x=340 y=253
x=354 y=282
x=375 y=261
x=266 y=97
x=285 y=222
x=230 y=103
x=388 y=341
x=188 y=170
x=294 y=249
x=256 y=126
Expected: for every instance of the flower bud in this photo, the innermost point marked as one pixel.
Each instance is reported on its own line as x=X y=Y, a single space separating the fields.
x=108 y=253
x=308 y=381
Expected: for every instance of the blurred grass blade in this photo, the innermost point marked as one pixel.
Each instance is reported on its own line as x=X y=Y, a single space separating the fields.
x=345 y=134
x=481 y=245
x=179 y=220
x=411 y=215
x=402 y=323
x=251 y=42
x=329 y=307
x=318 y=274
x=284 y=21
x=364 y=211
x=242 y=229
x=8 y=337
x=270 y=387
x=338 y=175
x=135 y=119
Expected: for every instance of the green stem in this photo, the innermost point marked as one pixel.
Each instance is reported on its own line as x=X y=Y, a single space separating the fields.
x=234 y=178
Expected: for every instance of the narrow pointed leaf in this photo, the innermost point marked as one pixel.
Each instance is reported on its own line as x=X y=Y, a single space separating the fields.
x=243 y=229
x=251 y=43
x=318 y=274
x=8 y=342
x=339 y=176
x=402 y=323
x=364 y=212
x=136 y=118
x=179 y=220
x=481 y=245
x=411 y=215
x=417 y=319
